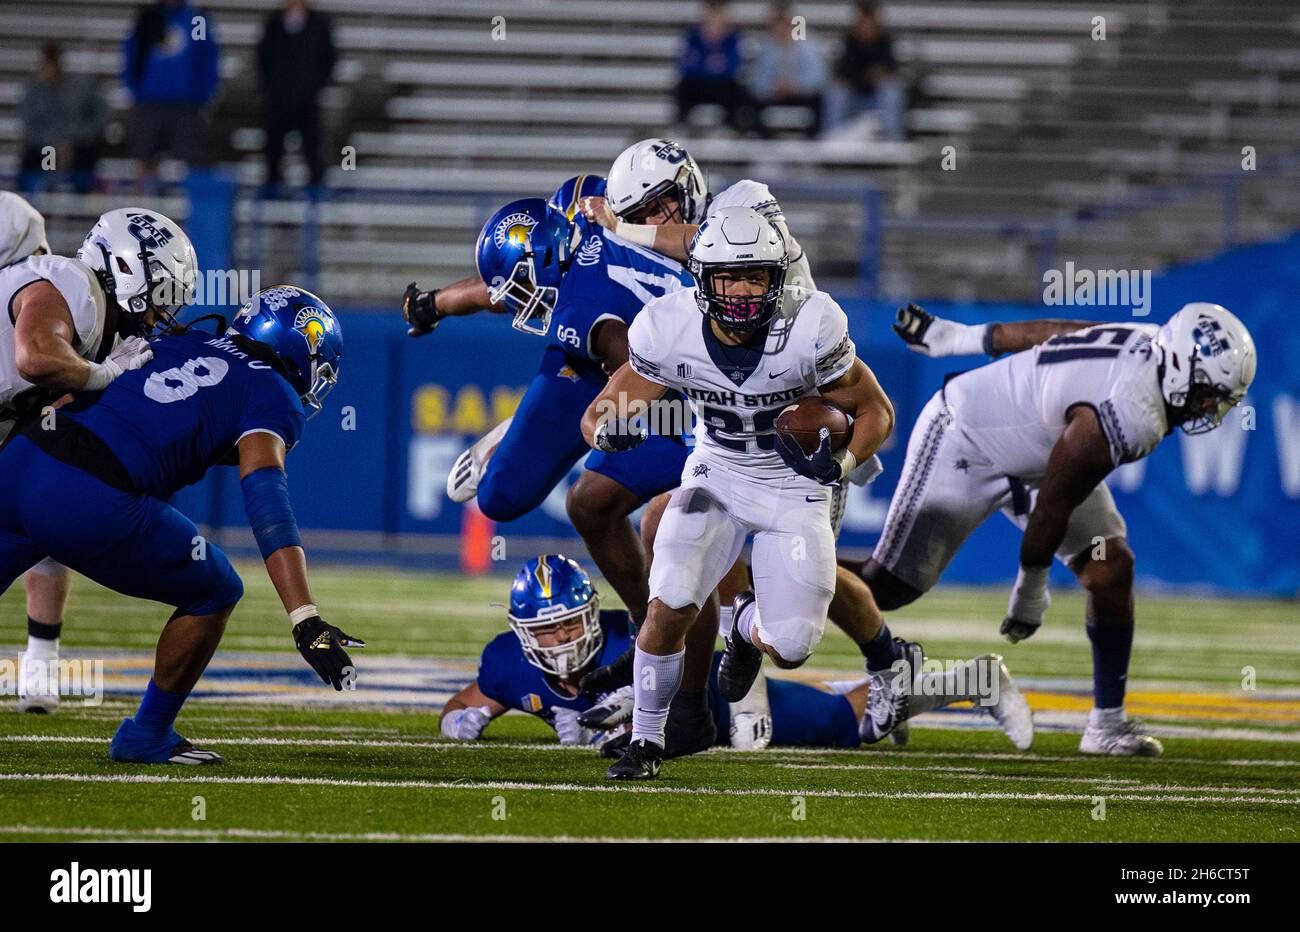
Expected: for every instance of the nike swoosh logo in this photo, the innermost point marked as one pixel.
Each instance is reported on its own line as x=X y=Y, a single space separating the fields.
x=809 y=498
x=776 y=375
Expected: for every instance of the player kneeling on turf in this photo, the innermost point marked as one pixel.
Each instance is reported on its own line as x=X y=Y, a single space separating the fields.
x=87 y=485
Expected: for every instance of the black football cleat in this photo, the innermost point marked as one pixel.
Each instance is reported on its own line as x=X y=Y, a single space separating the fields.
x=914 y=654
x=611 y=676
x=741 y=660
x=689 y=730
x=614 y=747
x=641 y=761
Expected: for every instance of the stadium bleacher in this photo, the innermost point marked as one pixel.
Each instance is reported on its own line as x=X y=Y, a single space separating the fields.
x=446 y=122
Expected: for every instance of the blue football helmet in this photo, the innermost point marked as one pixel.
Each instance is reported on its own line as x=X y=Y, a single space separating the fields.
x=549 y=590
x=566 y=196
x=303 y=332
x=522 y=254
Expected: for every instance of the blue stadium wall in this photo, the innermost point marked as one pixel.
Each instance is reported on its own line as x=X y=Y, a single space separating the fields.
x=1219 y=512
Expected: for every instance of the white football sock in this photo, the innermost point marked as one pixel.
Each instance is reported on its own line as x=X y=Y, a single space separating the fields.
x=747 y=621
x=1101 y=718
x=46 y=649
x=655 y=680
x=724 y=620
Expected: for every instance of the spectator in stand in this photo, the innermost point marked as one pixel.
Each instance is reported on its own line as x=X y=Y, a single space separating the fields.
x=296 y=61
x=708 y=68
x=867 y=76
x=66 y=113
x=170 y=67
x=789 y=71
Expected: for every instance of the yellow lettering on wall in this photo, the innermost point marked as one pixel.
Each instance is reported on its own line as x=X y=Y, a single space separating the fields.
x=433 y=410
x=504 y=402
x=470 y=413
x=429 y=409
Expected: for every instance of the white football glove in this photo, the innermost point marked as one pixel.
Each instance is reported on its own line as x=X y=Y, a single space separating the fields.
x=465 y=724
x=933 y=336
x=613 y=710
x=131 y=353
x=1028 y=604
x=570 y=732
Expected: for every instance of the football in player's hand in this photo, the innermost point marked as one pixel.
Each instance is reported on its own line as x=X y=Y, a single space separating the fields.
x=803 y=421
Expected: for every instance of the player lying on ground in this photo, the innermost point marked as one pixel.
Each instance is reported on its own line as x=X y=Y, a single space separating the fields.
x=558 y=632
x=74 y=325
x=741 y=348
x=87 y=484
x=578 y=287
x=1034 y=435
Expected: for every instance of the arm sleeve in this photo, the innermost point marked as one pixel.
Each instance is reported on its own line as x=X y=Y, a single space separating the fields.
x=643 y=353
x=835 y=351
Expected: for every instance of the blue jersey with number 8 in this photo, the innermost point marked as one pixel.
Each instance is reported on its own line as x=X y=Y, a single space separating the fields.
x=174 y=418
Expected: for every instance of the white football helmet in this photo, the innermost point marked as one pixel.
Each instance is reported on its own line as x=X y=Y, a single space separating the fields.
x=647 y=171
x=1208 y=354
x=143 y=260
x=22 y=230
x=737 y=239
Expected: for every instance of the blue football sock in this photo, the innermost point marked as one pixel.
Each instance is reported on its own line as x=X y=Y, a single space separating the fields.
x=1111 y=647
x=880 y=651
x=158 y=709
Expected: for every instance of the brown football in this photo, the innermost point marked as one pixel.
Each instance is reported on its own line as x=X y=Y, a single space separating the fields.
x=804 y=420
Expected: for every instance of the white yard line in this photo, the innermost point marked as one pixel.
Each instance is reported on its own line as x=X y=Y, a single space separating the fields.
x=250 y=834
x=634 y=788
x=774 y=755
x=1116 y=784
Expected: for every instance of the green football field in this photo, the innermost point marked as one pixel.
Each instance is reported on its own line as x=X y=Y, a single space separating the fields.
x=1219 y=681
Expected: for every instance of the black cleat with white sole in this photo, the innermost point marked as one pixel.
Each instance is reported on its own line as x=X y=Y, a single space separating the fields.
x=641 y=761
x=741 y=660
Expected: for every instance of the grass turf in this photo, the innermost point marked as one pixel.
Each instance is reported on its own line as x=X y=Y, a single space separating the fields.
x=368 y=772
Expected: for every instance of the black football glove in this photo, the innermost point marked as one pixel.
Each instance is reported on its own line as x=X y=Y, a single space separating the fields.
x=618 y=436
x=613 y=675
x=321 y=645
x=420 y=310
x=912 y=323
x=821 y=465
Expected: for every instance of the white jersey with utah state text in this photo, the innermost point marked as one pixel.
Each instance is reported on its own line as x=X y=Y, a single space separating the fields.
x=756 y=196
x=1013 y=410
x=86 y=302
x=736 y=392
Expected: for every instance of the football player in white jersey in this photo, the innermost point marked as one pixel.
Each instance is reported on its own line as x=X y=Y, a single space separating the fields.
x=656 y=195
x=742 y=348
x=1034 y=435
x=76 y=325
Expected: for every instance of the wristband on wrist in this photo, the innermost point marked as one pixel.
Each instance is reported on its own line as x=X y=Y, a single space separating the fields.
x=987 y=342
x=848 y=462
x=302 y=613
x=640 y=233
x=101 y=373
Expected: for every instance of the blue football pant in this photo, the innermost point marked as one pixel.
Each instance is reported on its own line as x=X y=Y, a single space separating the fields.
x=544 y=441
x=137 y=545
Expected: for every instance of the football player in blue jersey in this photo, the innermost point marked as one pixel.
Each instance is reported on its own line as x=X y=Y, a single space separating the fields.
x=579 y=287
x=88 y=483
x=558 y=633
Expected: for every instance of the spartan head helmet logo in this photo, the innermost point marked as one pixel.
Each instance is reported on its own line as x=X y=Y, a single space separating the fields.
x=515 y=229
x=312 y=327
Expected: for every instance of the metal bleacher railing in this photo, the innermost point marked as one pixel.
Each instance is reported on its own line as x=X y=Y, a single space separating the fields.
x=851 y=216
